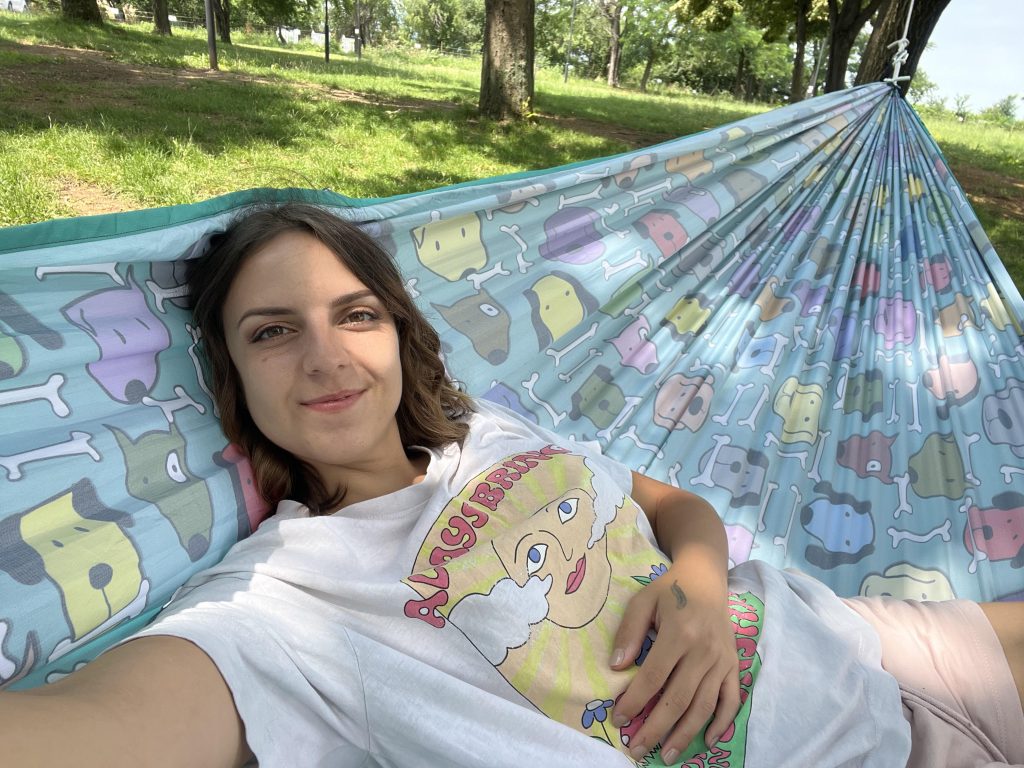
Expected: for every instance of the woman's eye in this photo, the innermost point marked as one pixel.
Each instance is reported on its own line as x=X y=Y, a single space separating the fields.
x=361 y=316
x=270 y=332
x=567 y=510
x=535 y=558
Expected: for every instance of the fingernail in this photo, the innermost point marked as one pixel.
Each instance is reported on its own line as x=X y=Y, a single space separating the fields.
x=639 y=752
x=710 y=741
x=619 y=720
x=617 y=656
x=669 y=756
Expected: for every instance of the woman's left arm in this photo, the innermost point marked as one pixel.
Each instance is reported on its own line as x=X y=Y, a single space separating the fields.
x=693 y=662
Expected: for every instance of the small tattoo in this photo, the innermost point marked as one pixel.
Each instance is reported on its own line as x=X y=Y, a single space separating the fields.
x=680 y=595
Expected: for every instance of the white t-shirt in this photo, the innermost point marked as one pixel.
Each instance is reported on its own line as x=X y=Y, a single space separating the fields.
x=468 y=620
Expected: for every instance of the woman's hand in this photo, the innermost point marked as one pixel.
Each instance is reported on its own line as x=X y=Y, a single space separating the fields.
x=692 y=663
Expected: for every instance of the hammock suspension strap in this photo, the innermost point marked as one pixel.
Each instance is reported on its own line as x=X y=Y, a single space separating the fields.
x=901 y=54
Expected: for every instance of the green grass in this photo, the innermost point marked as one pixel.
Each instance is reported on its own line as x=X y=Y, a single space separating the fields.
x=154 y=129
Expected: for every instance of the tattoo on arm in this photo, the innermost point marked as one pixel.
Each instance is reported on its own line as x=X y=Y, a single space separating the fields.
x=680 y=595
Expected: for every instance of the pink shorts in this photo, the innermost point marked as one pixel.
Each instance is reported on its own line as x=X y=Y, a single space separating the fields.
x=958 y=692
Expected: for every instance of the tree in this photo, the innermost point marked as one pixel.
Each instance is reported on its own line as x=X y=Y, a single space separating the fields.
x=161 y=20
x=445 y=24
x=845 y=20
x=876 y=63
x=612 y=10
x=222 y=16
x=506 y=80
x=81 y=10
x=589 y=52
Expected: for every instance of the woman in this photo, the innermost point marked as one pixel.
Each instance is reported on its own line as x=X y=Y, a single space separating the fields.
x=459 y=587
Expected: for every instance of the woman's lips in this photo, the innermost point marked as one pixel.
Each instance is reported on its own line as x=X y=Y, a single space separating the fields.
x=337 y=401
x=576 y=577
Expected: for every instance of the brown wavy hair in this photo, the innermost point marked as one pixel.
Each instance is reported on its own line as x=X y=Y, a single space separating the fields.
x=431 y=408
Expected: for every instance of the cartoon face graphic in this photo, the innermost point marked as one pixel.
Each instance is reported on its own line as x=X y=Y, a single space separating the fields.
x=743 y=184
x=908 y=582
x=741 y=471
x=865 y=394
x=80 y=546
x=1002 y=413
x=599 y=398
x=683 y=402
x=955 y=381
x=741 y=543
x=997 y=532
x=692 y=165
x=811 y=299
x=868 y=456
x=502 y=394
x=938 y=468
x=955 y=317
x=557 y=546
x=843 y=525
x=770 y=304
x=253 y=508
x=799 y=405
x=936 y=273
x=664 y=229
x=635 y=348
x=482 y=320
x=698 y=201
x=572 y=236
x=16 y=317
x=451 y=248
x=559 y=303
x=129 y=337
x=687 y=317
x=895 y=321
x=157 y=473
x=867 y=279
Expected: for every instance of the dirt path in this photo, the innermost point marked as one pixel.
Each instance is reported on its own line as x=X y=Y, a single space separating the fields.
x=109 y=82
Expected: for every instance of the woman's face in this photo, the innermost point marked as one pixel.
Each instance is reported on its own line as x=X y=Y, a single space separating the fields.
x=317 y=355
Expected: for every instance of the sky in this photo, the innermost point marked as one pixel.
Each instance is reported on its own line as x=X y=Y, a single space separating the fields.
x=977 y=50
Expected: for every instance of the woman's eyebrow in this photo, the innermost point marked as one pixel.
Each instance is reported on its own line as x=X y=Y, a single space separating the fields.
x=342 y=300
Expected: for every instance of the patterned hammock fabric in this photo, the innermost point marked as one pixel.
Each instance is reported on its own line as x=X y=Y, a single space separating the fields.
x=797 y=316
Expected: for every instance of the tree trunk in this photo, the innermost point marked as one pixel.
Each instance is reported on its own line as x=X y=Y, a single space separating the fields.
x=796 y=88
x=81 y=10
x=614 y=13
x=845 y=23
x=877 y=62
x=161 y=22
x=741 y=70
x=506 y=80
x=222 y=16
x=652 y=54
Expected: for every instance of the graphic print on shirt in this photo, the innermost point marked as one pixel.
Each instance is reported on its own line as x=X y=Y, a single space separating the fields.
x=534 y=562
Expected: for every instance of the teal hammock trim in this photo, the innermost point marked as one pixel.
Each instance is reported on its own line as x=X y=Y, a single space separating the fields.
x=797 y=316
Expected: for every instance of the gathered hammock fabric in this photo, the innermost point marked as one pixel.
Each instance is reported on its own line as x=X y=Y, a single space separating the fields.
x=797 y=316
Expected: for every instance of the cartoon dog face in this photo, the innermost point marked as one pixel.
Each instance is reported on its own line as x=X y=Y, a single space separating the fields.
x=955 y=317
x=895 y=321
x=868 y=456
x=770 y=305
x=599 y=398
x=683 y=402
x=687 y=317
x=253 y=508
x=664 y=229
x=812 y=299
x=741 y=543
x=865 y=393
x=799 y=405
x=559 y=303
x=692 y=165
x=1002 y=413
x=842 y=524
x=938 y=469
x=936 y=273
x=635 y=348
x=867 y=278
x=482 y=320
x=743 y=184
x=572 y=236
x=908 y=582
x=698 y=201
x=954 y=382
x=997 y=531
x=502 y=394
x=451 y=248
x=157 y=473
x=128 y=335
x=80 y=546
x=740 y=471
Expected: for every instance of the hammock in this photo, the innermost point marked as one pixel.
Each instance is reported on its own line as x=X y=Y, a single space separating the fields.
x=797 y=316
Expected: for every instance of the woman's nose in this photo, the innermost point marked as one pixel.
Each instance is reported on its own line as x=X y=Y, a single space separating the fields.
x=324 y=350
